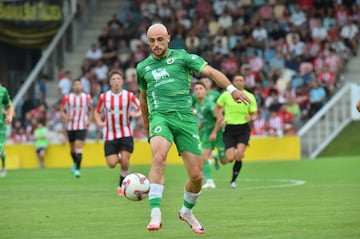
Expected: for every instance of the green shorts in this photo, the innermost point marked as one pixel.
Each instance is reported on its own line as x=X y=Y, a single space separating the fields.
x=218 y=143
x=178 y=127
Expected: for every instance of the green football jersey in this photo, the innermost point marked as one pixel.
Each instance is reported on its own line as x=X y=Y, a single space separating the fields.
x=206 y=115
x=167 y=81
x=40 y=137
x=235 y=112
x=213 y=95
x=4 y=103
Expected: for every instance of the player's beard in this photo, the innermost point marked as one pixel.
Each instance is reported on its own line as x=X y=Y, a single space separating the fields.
x=161 y=54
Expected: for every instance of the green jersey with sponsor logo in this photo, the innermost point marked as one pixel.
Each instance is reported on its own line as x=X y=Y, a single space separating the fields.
x=206 y=115
x=167 y=81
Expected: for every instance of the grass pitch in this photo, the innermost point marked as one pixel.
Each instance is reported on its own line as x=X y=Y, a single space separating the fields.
x=274 y=200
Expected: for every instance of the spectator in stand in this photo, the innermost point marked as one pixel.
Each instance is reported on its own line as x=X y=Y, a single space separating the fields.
x=317 y=95
x=287 y=119
x=260 y=126
x=340 y=48
x=277 y=33
x=114 y=24
x=104 y=37
x=327 y=80
x=277 y=64
x=85 y=82
x=250 y=77
x=297 y=47
x=314 y=47
x=293 y=107
x=110 y=52
x=341 y=15
x=41 y=89
x=275 y=124
x=93 y=54
x=65 y=84
x=260 y=35
x=229 y=65
x=274 y=101
x=124 y=53
x=298 y=18
x=350 y=35
x=40 y=113
x=101 y=70
x=225 y=22
x=220 y=45
x=318 y=62
x=18 y=133
x=257 y=64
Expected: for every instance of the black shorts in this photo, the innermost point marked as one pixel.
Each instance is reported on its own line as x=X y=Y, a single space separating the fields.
x=115 y=146
x=236 y=134
x=76 y=135
x=40 y=149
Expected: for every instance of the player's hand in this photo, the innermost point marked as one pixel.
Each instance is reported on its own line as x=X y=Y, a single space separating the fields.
x=69 y=118
x=212 y=137
x=240 y=97
x=8 y=120
x=101 y=124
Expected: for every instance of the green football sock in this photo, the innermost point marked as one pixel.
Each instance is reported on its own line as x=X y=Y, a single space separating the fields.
x=155 y=202
x=207 y=170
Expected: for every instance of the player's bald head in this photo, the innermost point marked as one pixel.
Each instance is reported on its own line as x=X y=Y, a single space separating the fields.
x=157 y=29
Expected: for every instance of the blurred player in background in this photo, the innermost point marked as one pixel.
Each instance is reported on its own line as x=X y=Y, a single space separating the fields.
x=164 y=80
x=210 y=135
x=119 y=105
x=76 y=109
x=41 y=142
x=7 y=115
x=237 y=130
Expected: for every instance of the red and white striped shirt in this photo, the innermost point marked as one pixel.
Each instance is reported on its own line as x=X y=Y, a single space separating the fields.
x=77 y=107
x=117 y=108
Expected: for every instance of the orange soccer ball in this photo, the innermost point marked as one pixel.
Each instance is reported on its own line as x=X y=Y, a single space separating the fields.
x=358 y=106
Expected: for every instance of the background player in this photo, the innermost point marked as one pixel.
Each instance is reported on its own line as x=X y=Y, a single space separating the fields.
x=237 y=129
x=119 y=142
x=6 y=116
x=210 y=135
x=76 y=110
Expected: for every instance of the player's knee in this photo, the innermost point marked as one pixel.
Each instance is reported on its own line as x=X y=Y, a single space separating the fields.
x=239 y=156
x=196 y=179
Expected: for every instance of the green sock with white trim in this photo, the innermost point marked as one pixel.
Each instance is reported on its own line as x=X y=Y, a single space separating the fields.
x=190 y=200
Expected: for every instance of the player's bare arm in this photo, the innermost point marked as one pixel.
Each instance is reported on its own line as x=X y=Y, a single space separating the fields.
x=10 y=114
x=252 y=116
x=218 y=124
x=144 y=110
x=98 y=120
x=224 y=82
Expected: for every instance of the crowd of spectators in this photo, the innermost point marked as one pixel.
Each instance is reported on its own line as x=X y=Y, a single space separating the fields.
x=292 y=53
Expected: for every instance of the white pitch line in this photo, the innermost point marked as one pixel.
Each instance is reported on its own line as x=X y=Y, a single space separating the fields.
x=288 y=183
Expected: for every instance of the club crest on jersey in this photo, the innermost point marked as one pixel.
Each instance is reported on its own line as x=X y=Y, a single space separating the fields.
x=147 y=68
x=170 y=60
x=160 y=73
x=157 y=129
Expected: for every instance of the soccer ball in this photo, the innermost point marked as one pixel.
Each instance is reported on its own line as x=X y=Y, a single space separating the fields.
x=136 y=187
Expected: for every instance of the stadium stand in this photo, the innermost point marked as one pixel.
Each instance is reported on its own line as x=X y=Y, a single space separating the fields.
x=293 y=56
